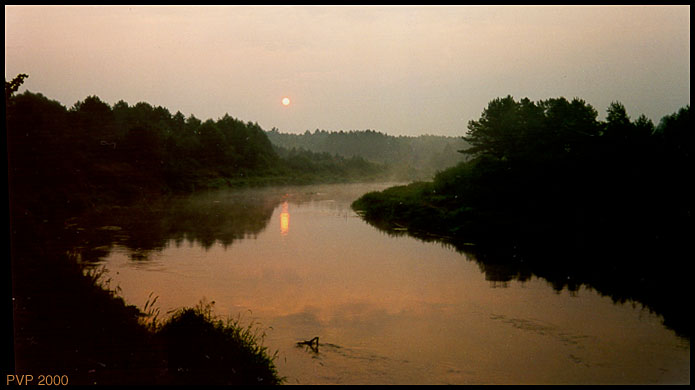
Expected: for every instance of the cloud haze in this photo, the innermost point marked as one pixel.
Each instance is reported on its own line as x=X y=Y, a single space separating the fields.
x=399 y=70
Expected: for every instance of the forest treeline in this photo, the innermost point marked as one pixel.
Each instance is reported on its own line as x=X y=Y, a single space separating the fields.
x=406 y=158
x=568 y=196
x=70 y=164
x=93 y=152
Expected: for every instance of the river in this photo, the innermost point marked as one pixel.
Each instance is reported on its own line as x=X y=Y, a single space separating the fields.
x=297 y=263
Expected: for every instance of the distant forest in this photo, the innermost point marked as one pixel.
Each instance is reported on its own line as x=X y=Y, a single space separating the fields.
x=406 y=158
x=90 y=153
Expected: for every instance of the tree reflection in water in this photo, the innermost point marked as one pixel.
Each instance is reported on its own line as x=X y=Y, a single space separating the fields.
x=206 y=219
x=227 y=216
x=610 y=269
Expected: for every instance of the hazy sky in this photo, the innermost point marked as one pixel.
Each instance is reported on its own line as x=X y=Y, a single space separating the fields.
x=399 y=70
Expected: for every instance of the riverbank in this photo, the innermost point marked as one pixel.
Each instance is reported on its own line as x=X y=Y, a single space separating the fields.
x=68 y=162
x=69 y=321
x=617 y=259
x=552 y=191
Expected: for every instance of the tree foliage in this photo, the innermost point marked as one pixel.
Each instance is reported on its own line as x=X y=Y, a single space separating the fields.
x=61 y=158
x=554 y=161
x=551 y=190
x=517 y=131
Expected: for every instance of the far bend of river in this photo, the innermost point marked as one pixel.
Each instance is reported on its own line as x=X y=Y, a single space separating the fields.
x=299 y=263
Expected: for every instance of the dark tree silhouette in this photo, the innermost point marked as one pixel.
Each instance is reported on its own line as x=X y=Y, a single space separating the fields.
x=12 y=86
x=613 y=197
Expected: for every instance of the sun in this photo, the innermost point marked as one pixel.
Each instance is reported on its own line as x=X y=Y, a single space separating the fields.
x=285 y=101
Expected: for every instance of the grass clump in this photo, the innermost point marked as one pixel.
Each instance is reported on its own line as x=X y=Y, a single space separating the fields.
x=203 y=348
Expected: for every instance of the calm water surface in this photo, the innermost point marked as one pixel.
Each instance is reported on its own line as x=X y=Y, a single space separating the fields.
x=299 y=263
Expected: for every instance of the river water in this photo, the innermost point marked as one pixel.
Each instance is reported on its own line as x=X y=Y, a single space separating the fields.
x=297 y=263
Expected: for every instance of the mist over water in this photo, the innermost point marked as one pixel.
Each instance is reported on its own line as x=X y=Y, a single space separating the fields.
x=387 y=309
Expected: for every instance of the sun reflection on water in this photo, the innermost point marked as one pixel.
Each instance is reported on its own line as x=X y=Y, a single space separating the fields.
x=285 y=220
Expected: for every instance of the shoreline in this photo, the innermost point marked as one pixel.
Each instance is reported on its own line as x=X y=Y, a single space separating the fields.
x=531 y=250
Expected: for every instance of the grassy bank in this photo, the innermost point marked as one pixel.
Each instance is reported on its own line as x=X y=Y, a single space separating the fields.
x=69 y=321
